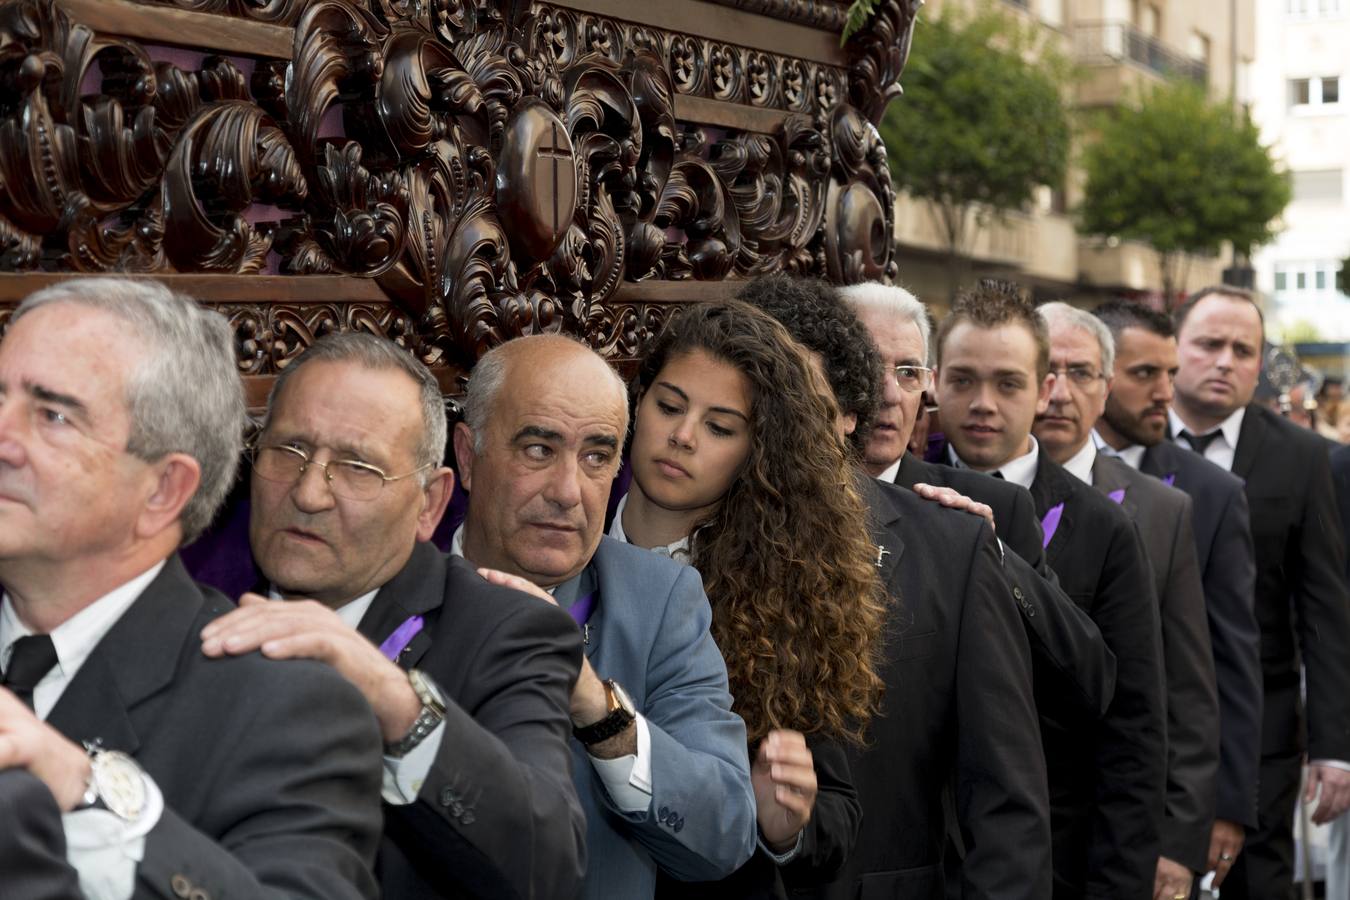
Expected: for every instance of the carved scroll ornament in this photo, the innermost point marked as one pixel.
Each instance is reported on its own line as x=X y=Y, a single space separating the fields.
x=495 y=173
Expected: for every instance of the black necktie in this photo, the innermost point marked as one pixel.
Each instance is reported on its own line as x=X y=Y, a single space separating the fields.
x=999 y=475
x=32 y=659
x=1200 y=442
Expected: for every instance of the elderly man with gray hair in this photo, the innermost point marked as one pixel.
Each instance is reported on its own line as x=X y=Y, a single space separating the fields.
x=121 y=416
x=1082 y=360
x=469 y=681
x=660 y=762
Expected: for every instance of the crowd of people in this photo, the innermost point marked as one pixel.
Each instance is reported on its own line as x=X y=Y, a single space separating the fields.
x=826 y=603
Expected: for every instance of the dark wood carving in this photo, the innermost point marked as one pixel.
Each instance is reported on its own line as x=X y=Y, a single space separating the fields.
x=496 y=169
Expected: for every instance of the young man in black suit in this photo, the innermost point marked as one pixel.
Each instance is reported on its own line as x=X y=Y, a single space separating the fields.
x=1074 y=672
x=177 y=775
x=1133 y=428
x=470 y=681
x=1301 y=602
x=959 y=713
x=1082 y=355
x=1106 y=804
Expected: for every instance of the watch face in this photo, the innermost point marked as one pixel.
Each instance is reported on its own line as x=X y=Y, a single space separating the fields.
x=625 y=702
x=120 y=784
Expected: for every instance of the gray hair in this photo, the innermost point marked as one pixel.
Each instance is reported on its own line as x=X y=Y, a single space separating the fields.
x=184 y=396
x=1073 y=317
x=379 y=353
x=891 y=300
x=489 y=374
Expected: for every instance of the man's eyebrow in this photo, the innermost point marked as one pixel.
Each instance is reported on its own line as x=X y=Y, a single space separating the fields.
x=537 y=431
x=601 y=440
x=47 y=395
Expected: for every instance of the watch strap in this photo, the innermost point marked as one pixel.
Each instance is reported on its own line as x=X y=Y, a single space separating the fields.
x=431 y=715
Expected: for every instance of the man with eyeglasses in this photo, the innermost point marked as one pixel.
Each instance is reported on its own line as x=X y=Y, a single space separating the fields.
x=1082 y=355
x=1106 y=777
x=469 y=681
x=1075 y=673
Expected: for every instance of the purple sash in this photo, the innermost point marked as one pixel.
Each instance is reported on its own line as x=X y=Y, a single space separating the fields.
x=397 y=642
x=1050 y=523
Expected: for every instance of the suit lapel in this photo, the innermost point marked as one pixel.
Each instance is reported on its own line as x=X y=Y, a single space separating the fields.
x=1049 y=490
x=417 y=590
x=884 y=513
x=1111 y=481
x=137 y=658
x=1250 y=437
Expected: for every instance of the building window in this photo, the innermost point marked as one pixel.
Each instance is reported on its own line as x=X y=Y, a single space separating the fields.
x=1306 y=278
x=1313 y=92
x=1316 y=9
x=1281 y=280
x=1318 y=186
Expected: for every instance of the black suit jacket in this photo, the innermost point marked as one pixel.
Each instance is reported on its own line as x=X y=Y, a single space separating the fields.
x=1163 y=517
x=32 y=844
x=958 y=715
x=1075 y=673
x=1340 y=476
x=1301 y=603
x=498 y=814
x=1107 y=778
x=270 y=771
x=1223 y=544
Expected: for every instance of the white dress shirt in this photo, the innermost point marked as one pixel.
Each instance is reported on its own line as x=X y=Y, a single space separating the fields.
x=1132 y=456
x=1080 y=464
x=403 y=776
x=1221 y=450
x=102 y=848
x=892 y=470
x=628 y=779
x=1020 y=470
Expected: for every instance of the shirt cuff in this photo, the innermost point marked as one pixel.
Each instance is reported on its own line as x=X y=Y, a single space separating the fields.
x=629 y=778
x=782 y=859
x=405 y=775
x=1333 y=763
x=105 y=850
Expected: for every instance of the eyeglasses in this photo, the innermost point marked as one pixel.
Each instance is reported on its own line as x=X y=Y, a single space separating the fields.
x=913 y=378
x=1082 y=376
x=347 y=478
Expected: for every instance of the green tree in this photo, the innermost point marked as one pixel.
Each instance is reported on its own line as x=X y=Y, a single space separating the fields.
x=1184 y=174
x=980 y=126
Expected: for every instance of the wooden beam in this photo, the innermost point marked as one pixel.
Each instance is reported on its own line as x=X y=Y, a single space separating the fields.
x=676 y=292
x=723 y=23
x=722 y=114
x=14 y=286
x=194 y=30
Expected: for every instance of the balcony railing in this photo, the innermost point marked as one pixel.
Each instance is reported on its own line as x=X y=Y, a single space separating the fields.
x=1120 y=41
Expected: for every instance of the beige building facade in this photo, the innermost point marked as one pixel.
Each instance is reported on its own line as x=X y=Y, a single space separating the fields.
x=1119 y=47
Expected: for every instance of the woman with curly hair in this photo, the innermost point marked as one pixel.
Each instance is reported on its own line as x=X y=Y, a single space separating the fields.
x=737 y=467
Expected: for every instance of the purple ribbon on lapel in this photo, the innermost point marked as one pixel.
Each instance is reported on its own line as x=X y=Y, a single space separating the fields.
x=1050 y=523
x=397 y=642
x=1117 y=496
x=1170 y=478
x=582 y=609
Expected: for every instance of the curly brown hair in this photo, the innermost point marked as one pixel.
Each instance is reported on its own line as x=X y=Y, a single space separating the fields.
x=787 y=560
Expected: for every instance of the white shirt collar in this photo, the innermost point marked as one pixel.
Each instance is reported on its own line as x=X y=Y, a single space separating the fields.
x=76 y=637
x=457 y=541
x=891 y=471
x=351 y=612
x=1132 y=456
x=1020 y=470
x=677 y=550
x=1231 y=426
x=1080 y=464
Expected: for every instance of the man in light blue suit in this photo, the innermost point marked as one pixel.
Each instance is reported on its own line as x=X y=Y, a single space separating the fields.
x=661 y=762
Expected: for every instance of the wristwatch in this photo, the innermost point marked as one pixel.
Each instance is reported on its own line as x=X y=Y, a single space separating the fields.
x=432 y=714
x=116 y=783
x=621 y=715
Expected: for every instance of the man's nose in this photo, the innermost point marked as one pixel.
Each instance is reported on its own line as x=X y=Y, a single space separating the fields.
x=564 y=487
x=1059 y=388
x=312 y=492
x=13 y=426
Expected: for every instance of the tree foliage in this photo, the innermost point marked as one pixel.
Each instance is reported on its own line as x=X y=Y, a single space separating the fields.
x=981 y=124
x=1182 y=173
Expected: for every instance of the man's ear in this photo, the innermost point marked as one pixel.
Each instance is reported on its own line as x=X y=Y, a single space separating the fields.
x=1043 y=398
x=848 y=423
x=464 y=455
x=435 y=498
x=177 y=477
